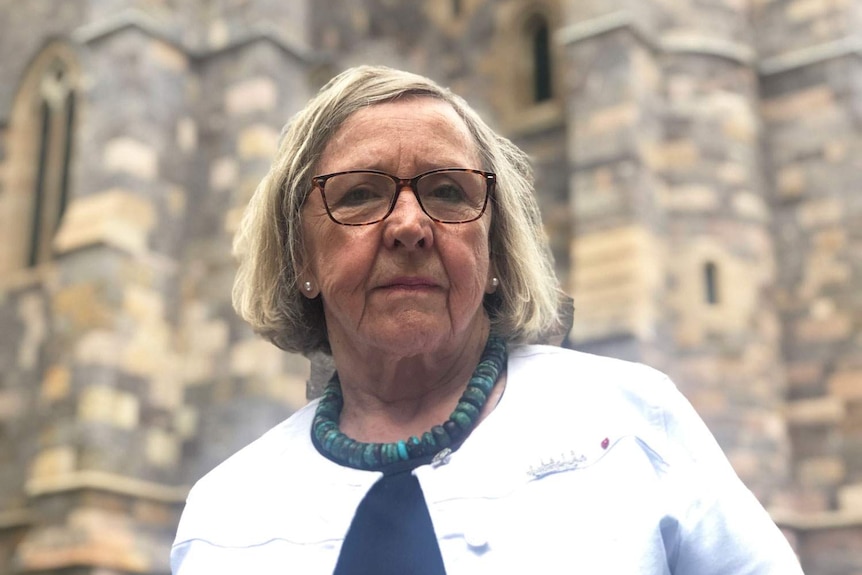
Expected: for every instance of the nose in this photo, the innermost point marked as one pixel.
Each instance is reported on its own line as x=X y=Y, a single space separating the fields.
x=408 y=225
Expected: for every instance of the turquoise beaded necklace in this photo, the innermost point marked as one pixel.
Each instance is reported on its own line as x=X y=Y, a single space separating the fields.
x=376 y=456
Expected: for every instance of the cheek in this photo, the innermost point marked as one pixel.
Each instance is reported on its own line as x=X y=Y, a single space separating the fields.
x=313 y=242
x=340 y=258
x=471 y=267
x=317 y=242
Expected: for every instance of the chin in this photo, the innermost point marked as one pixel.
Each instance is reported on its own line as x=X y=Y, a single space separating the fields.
x=408 y=338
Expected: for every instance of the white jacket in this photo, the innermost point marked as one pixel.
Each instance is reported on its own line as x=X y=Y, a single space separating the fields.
x=587 y=465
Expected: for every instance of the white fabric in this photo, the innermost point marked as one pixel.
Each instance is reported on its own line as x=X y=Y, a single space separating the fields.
x=534 y=489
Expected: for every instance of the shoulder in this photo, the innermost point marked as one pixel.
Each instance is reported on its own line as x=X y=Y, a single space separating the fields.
x=254 y=478
x=266 y=454
x=587 y=377
x=580 y=395
x=276 y=488
x=274 y=502
x=540 y=357
x=603 y=438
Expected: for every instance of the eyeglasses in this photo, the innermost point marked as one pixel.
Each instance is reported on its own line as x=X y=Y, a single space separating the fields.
x=363 y=197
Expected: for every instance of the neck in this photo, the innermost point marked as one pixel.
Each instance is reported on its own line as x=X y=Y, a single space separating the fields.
x=475 y=402
x=388 y=397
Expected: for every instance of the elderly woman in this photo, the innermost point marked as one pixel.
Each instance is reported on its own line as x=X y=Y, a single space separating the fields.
x=397 y=232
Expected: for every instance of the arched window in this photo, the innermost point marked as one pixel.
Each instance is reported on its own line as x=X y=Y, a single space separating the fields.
x=538 y=38
x=40 y=145
x=710 y=283
x=56 y=107
x=527 y=70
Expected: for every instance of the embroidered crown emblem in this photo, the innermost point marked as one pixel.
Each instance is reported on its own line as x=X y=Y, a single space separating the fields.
x=556 y=465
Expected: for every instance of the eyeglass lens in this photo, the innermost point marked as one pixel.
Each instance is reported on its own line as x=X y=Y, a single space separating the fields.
x=363 y=197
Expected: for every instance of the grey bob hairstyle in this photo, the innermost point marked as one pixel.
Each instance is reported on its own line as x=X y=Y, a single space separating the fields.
x=269 y=243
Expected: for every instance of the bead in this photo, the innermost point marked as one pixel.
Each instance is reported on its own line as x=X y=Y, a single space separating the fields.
x=414 y=447
x=329 y=438
x=344 y=447
x=452 y=430
x=429 y=443
x=337 y=443
x=321 y=428
x=441 y=437
x=475 y=396
x=462 y=419
x=469 y=410
x=483 y=386
x=485 y=371
x=329 y=412
x=371 y=455
x=402 y=450
x=388 y=454
x=354 y=456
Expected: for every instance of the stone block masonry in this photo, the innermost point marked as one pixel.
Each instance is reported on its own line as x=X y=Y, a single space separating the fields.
x=697 y=167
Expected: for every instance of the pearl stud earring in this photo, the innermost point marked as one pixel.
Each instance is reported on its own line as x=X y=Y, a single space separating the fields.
x=307 y=286
x=495 y=282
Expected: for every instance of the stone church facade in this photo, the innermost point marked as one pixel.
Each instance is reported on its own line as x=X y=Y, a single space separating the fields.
x=698 y=165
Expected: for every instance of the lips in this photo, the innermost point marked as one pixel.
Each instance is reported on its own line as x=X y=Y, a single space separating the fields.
x=410 y=282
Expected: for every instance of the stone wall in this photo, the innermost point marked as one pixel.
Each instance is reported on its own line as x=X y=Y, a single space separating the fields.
x=813 y=130
x=697 y=168
x=126 y=374
x=238 y=385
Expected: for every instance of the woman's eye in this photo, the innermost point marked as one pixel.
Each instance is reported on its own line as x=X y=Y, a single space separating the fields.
x=359 y=195
x=447 y=192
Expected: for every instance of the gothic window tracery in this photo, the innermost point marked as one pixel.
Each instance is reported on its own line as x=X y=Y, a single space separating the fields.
x=528 y=69
x=710 y=283
x=54 y=148
x=37 y=174
x=538 y=42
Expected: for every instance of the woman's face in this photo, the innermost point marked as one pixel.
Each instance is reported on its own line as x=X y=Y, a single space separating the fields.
x=406 y=285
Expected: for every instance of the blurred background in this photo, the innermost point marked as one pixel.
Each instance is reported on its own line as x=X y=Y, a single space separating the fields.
x=698 y=164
